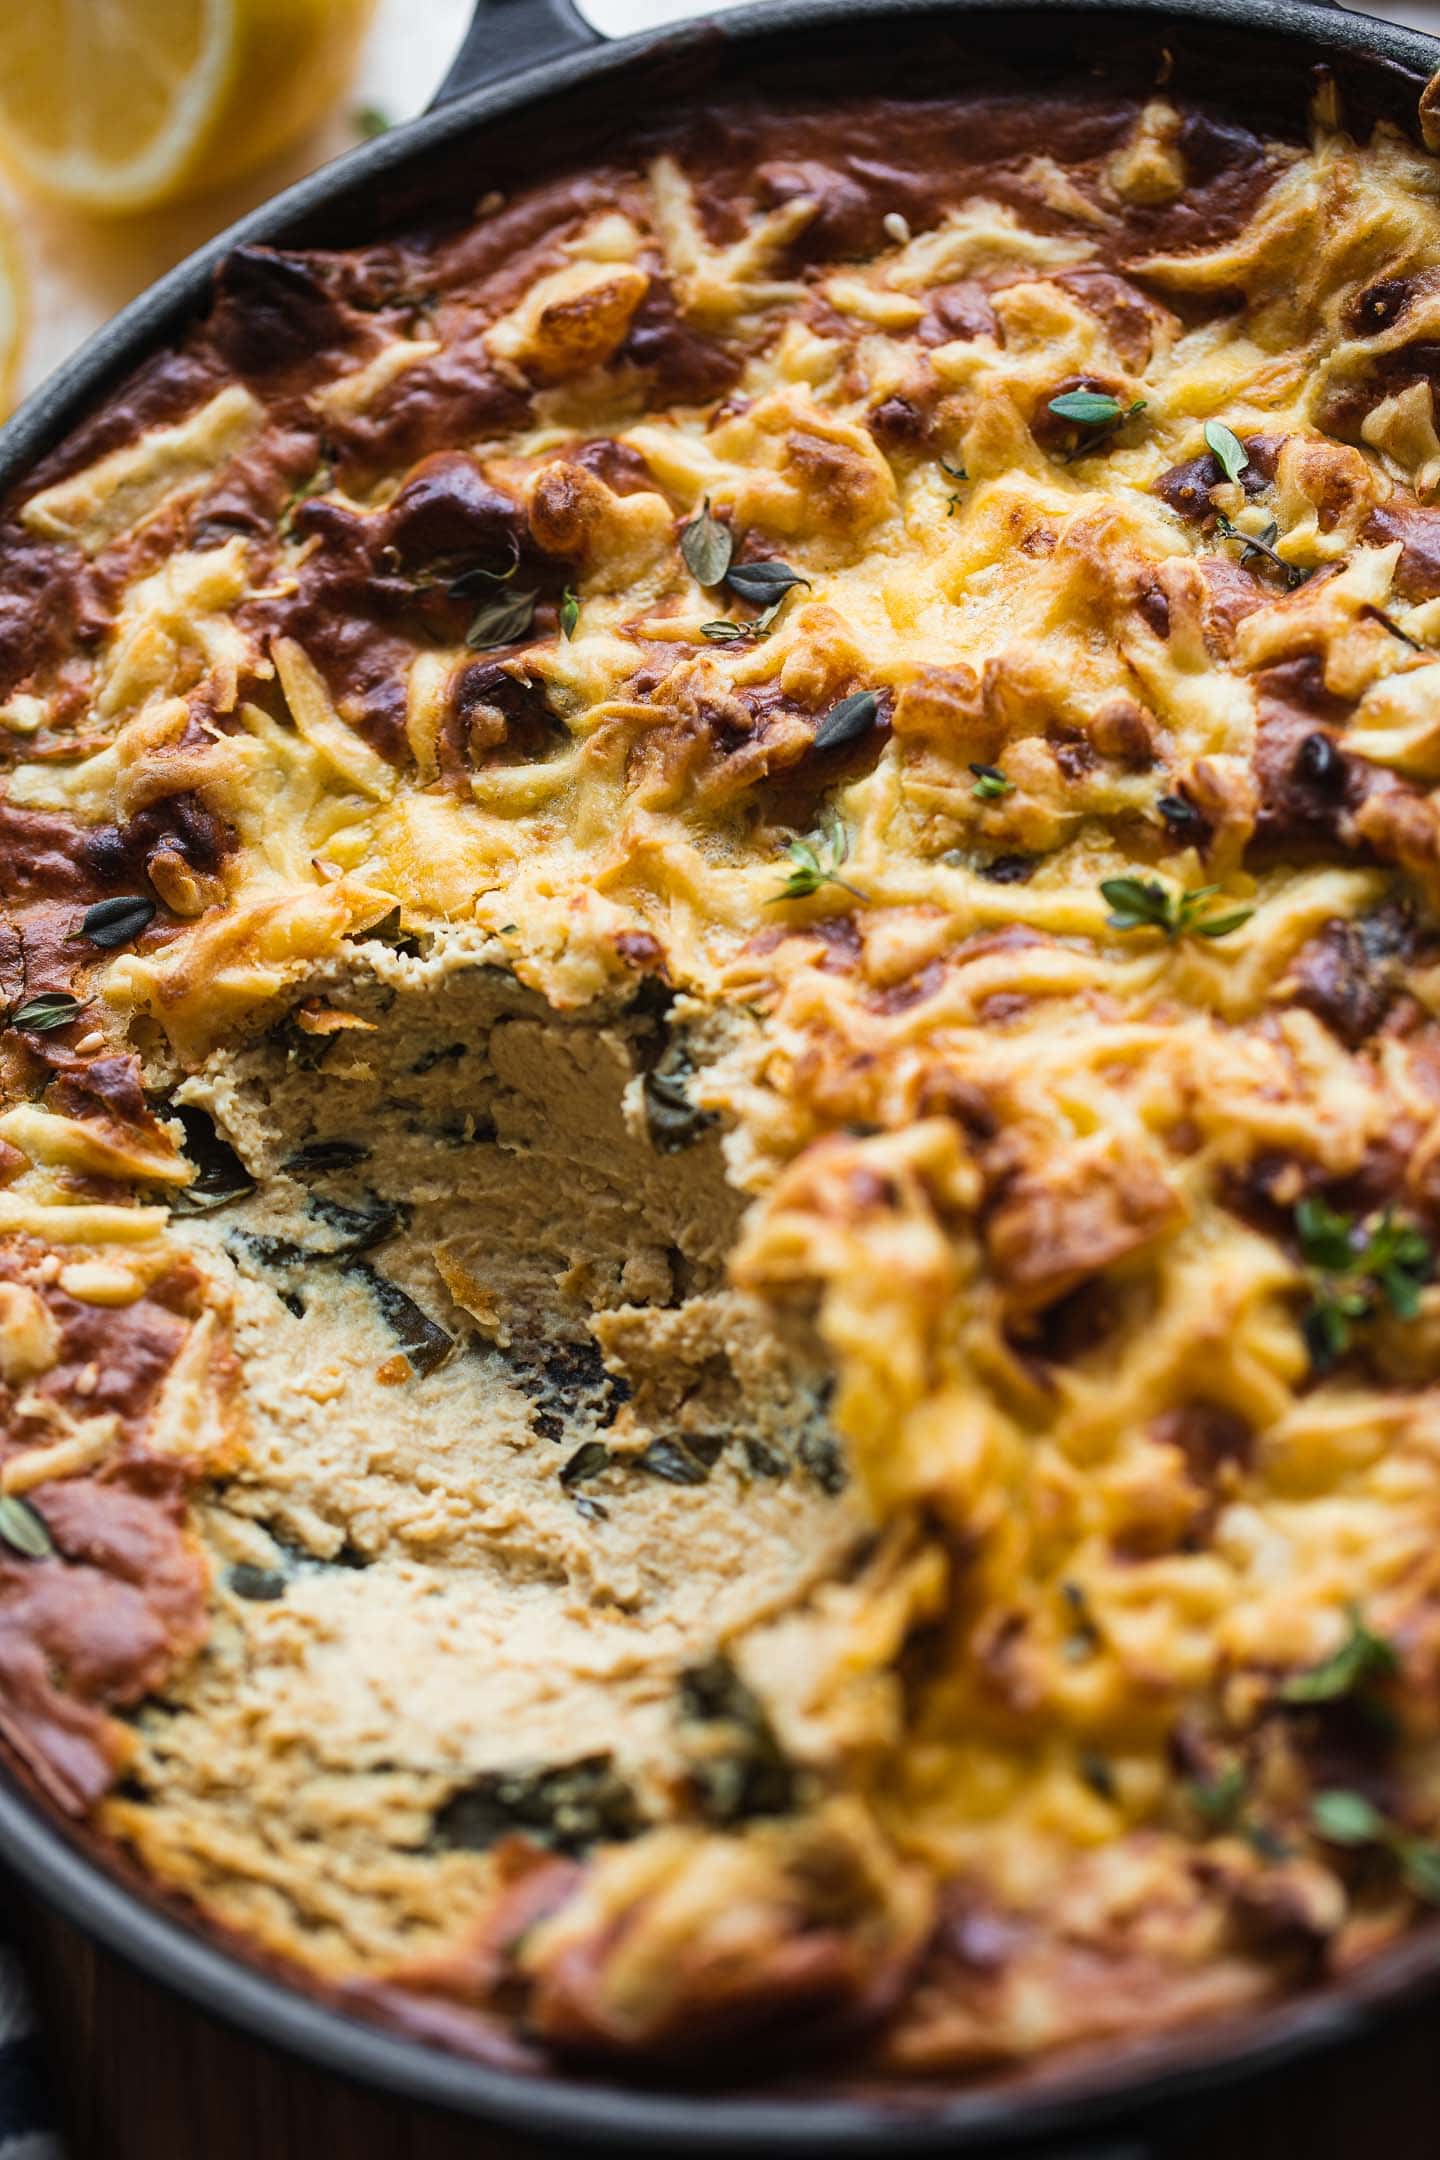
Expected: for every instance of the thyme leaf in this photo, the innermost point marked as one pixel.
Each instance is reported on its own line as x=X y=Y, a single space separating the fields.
x=1095 y=411
x=569 y=612
x=1361 y=1658
x=990 y=783
x=763 y=583
x=49 y=1009
x=1226 y=448
x=23 y=1530
x=465 y=584
x=1090 y=408
x=1146 y=904
x=848 y=721
x=115 y=922
x=1347 y=1818
x=1356 y=1265
x=505 y=620
x=706 y=546
x=816 y=866
x=725 y=632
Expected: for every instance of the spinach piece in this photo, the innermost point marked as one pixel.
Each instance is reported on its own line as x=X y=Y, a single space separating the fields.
x=748 y=1774
x=567 y=1809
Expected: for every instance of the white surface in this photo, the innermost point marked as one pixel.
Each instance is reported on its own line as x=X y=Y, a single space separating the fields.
x=81 y=270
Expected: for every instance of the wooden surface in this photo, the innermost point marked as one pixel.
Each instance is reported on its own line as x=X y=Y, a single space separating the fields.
x=140 y=2076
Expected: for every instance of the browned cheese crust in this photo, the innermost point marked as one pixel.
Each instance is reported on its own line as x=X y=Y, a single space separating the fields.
x=720 y=1116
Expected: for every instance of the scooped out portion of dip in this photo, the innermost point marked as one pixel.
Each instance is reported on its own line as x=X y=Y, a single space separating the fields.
x=720 y=1100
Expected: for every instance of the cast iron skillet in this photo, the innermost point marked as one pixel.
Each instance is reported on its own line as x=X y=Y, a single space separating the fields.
x=533 y=83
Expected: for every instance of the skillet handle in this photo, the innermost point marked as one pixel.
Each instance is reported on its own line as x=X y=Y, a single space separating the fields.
x=508 y=35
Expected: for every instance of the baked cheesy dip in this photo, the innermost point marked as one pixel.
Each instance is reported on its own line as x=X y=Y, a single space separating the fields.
x=721 y=1089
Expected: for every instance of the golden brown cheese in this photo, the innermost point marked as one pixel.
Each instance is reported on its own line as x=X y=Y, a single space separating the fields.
x=722 y=1095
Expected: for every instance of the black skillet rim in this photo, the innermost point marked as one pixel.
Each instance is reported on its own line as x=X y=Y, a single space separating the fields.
x=1098 y=2093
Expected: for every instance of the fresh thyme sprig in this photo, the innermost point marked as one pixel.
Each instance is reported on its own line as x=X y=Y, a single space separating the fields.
x=1146 y=904
x=816 y=866
x=1263 y=544
x=1097 y=412
x=1355 y=1267
x=1341 y=1817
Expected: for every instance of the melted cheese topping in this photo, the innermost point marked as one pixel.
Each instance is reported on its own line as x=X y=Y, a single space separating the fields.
x=1039 y=1164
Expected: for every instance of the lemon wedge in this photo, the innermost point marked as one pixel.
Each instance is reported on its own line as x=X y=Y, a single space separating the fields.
x=12 y=312
x=118 y=105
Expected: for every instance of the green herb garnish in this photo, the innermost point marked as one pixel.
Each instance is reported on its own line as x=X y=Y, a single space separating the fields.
x=1089 y=408
x=1348 y=1818
x=725 y=632
x=956 y=472
x=707 y=546
x=815 y=866
x=1096 y=411
x=505 y=620
x=464 y=584
x=1356 y=1265
x=322 y=477
x=990 y=783
x=1218 y=1800
x=738 y=1766
x=1361 y=1658
x=1226 y=448
x=1261 y=543
x=115 y=922
x=848 y=721
x=51 y=1009
x=569 y=612
x=762 y=583
x=23 y=1530
x=1146 y=904
x=369 y=121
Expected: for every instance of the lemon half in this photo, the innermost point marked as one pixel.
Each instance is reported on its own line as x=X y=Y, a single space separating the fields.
x=117 y=105
x=12 y=312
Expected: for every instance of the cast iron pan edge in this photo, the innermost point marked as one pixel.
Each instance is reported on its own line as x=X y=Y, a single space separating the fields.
x=517 y=53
